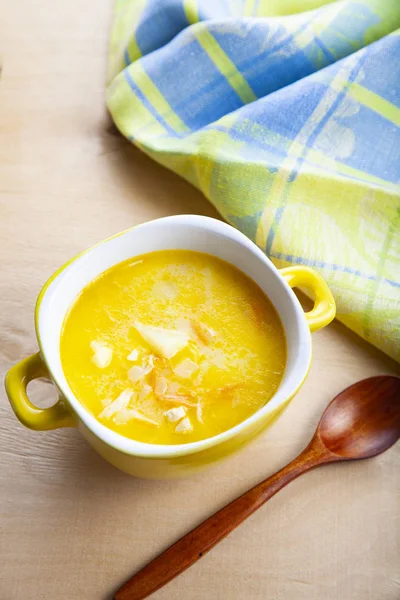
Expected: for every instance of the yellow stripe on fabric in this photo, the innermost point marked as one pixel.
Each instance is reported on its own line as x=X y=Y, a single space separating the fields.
x=128 y=112
x=374 y=284
x=127 y=17
x=156 y=99
x=376 y=103
x=191 y=11
x=133 y=49
x=210 y=146
x=249 y=8
x=281 y=8
x=276 y=196
x=133 y=16
x=194 y=156
x=225 y=65
x=317 y=25
x=322 y=161
x=314 y=158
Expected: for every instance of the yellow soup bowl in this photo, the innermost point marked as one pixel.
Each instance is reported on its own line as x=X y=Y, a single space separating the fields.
x=188 y=232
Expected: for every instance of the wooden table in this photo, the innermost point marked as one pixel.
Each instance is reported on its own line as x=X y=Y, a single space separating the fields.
x=71 y=526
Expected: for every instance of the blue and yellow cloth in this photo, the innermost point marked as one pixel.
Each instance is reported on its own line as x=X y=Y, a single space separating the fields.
x=286 y=114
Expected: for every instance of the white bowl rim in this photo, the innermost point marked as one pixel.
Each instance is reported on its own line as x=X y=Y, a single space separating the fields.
x=162 y=451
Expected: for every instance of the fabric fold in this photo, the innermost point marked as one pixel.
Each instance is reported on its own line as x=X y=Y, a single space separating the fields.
x=289 y=124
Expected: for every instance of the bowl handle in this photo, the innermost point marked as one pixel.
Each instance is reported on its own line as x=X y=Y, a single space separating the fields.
x=31 y=416
x=324 y=309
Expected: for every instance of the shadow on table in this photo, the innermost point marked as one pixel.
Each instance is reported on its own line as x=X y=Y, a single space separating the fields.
x=162 y=191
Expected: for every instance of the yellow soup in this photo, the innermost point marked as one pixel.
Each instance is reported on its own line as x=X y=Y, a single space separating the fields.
x=172 y=347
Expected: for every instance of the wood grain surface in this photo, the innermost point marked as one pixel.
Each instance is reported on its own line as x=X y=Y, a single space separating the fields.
x=360 y=422
x=71 y=526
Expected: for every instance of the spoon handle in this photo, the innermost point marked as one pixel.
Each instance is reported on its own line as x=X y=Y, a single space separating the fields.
x=181 y=555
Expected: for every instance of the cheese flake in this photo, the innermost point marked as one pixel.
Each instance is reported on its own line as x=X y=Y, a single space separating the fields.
x=102 y=354
x=186 y=368
x=136 y=373
x=164 y=342
x=175 y=414
x=184 y=426
x=125 y=415
x=134 y=355
x=116 y=405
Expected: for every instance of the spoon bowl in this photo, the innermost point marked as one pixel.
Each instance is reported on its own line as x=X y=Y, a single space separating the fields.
x=361 y=422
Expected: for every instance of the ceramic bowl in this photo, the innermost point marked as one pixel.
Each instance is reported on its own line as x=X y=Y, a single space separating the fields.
x=179 y=232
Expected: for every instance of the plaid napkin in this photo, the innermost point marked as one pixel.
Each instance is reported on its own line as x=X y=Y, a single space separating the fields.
x=288 y=120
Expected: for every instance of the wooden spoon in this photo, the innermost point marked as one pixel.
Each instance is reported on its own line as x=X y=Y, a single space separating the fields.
x=361 y=422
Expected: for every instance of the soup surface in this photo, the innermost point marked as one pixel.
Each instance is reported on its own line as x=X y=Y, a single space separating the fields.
x=172 y=347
